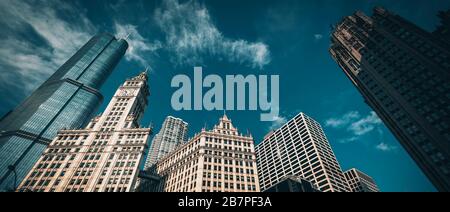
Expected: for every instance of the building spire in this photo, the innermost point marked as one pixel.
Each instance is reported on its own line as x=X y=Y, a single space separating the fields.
x=225 y=117
x=143 y=75
x=205 y=127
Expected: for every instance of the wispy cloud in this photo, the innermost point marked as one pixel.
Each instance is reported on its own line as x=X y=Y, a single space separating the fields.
x=343 y=120
x=281 y=18
x=384 y=147
x=191 y=34
x=39 y=36
x=26 y=63
x=138 y=45
x=355 y=124
x=318 y=37
x=116 y=6
x=278 y=122
x=348 y=139
x=365 y=125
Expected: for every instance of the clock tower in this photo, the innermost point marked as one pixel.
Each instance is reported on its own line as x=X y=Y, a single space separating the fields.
x=127 y=106
x=109 y=151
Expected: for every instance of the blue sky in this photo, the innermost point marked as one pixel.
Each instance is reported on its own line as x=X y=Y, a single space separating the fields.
x=287 y=38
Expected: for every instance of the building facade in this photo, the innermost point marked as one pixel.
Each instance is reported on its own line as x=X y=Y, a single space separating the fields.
x=403 y=72
x=103 y=157
x=68 y=99
x=299 y=148
x=219 y=160
x=173 y=133
x=360 y=182
x=292 y=184
x=443 y=30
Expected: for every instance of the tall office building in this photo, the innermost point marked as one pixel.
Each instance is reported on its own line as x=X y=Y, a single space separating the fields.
x=360 y=182
x=443 y=30
x=403 y=72
x=220 y=160
x=173 y=133
x=292 y=184
x=299 y=148
x=103 y=157
x=68 y=99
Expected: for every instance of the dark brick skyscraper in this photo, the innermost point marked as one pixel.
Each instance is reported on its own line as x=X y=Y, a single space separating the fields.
x=444 y=29
x=403 y=72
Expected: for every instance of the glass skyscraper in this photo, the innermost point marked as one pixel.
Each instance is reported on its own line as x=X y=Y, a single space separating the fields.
x=67 y=100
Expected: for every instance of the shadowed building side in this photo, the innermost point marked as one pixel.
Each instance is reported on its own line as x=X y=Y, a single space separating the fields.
x=403 y=72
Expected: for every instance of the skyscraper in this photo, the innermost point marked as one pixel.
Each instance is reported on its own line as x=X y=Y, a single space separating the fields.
x=292 y=184
x=220 y=160
x=173 y=133
x=103 y=157
x=68 y=99
x=360 y=182
x=403 y=72
x=299 y=148
x=443 y=30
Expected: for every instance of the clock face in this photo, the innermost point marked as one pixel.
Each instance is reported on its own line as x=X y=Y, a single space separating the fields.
x=126 y=93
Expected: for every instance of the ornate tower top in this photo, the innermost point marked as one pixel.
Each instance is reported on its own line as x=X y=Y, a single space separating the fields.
x=142 y=76
x=226 y=126
x=127 y=106
x=137 y=84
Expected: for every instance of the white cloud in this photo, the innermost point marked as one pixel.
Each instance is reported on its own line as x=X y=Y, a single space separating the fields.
x=138 y=45
x=348 y=140
x=318 y=37
x=278 y=122
x=26 y=63
x=281 y=19
x=343 y=120
x=365 y=125
x=385 y=147
x=355 y=124
x=117 y=5
x=191 y=34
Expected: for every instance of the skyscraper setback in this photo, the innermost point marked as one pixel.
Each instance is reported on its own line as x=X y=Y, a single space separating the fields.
x=403 y=72
x=103 y=157
x=173 y=133
x=299 y=148
x=68 y=99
